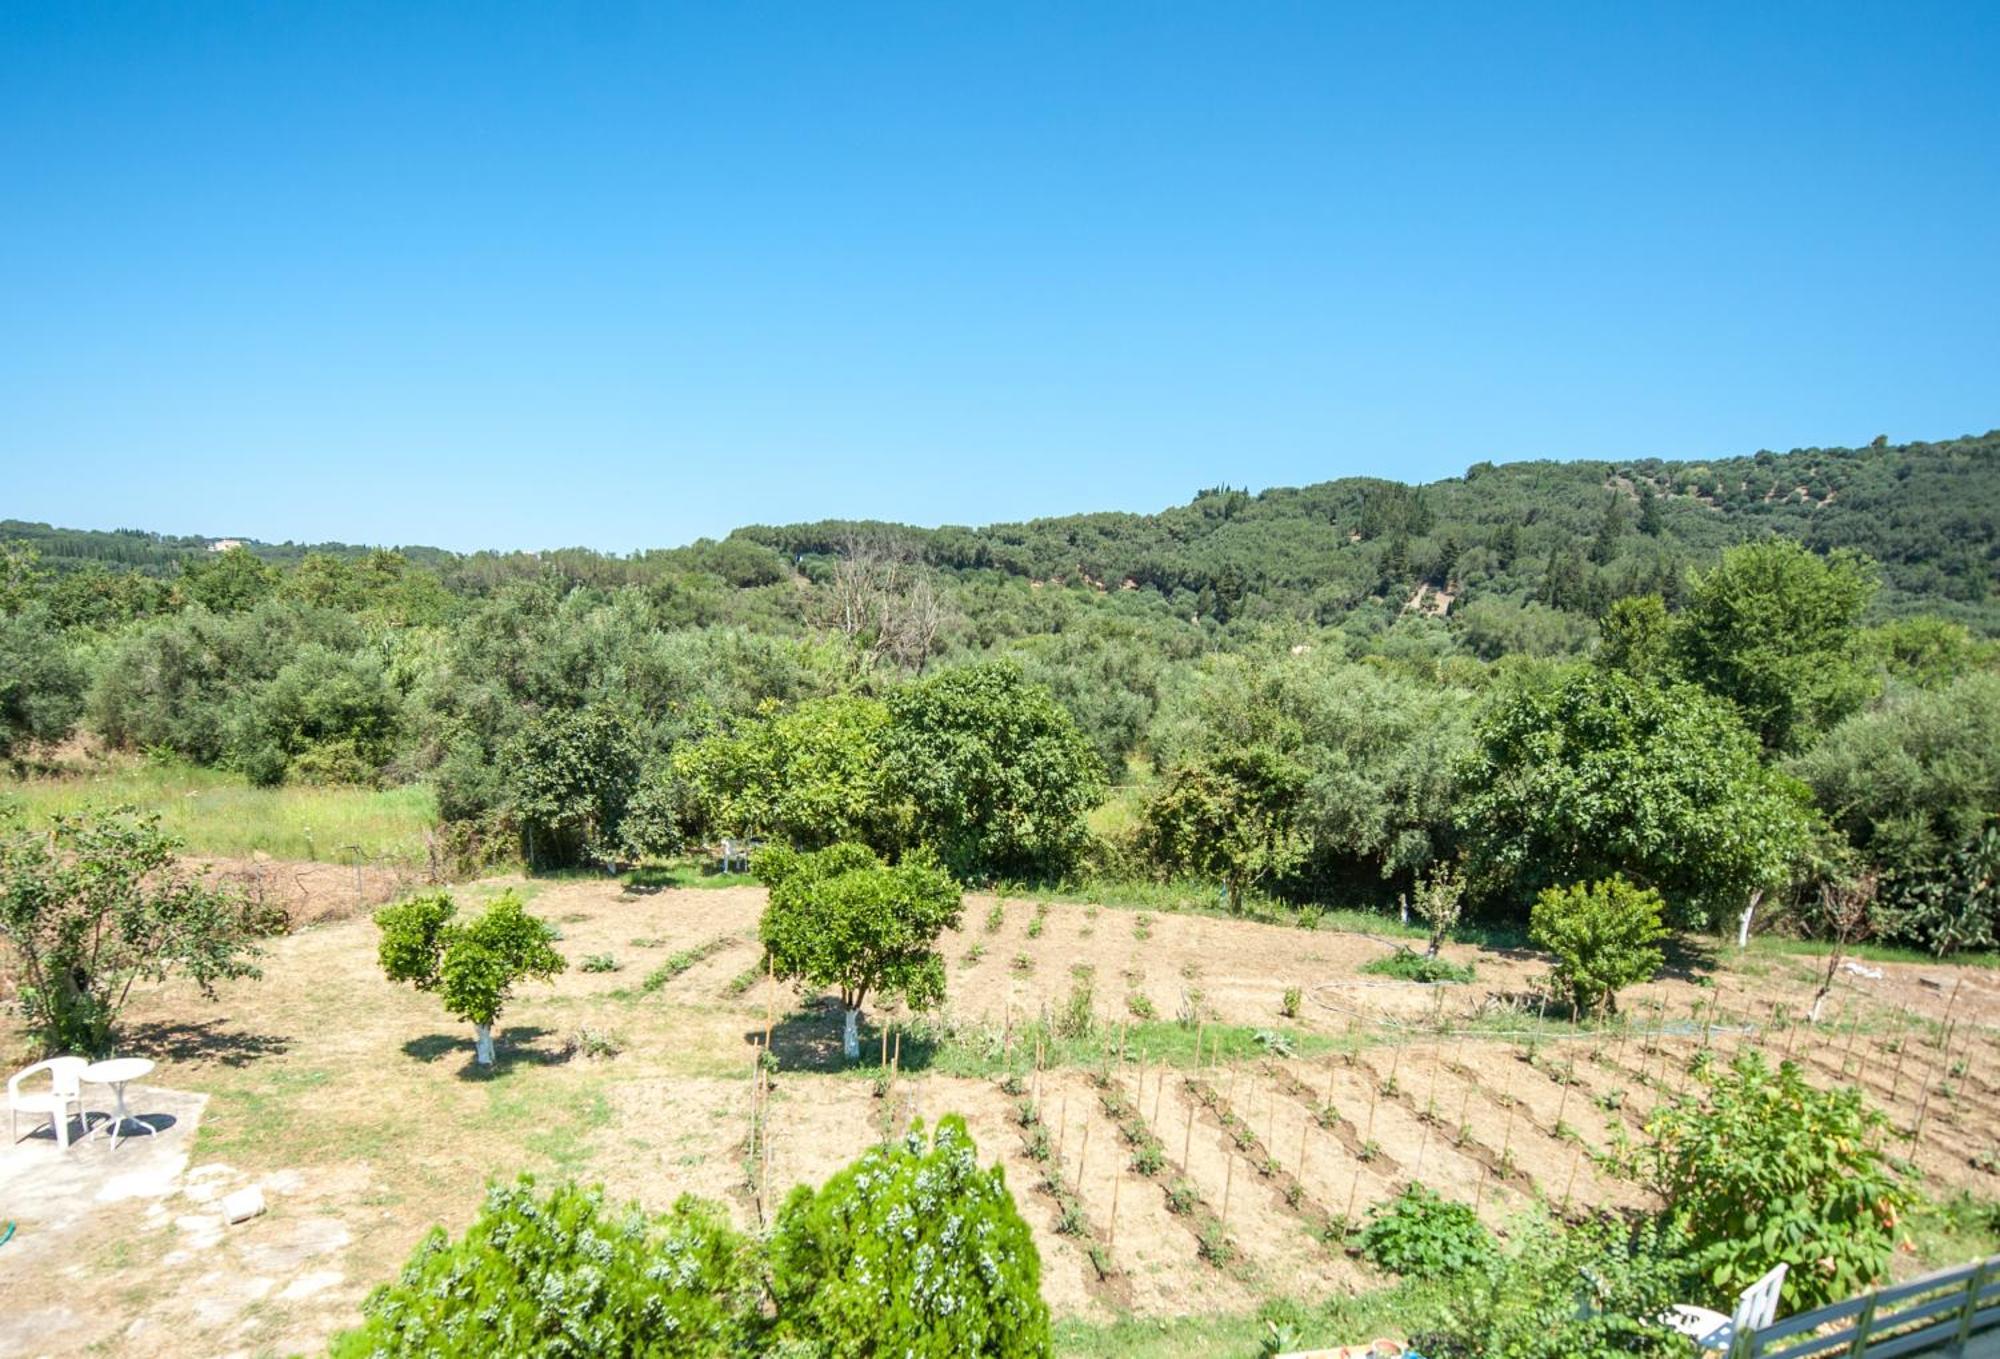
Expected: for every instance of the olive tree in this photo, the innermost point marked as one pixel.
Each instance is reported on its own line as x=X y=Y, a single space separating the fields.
x=841 y=917
x=41 y=684
x=1233 y=815
x=473 y=967
x=98 y=902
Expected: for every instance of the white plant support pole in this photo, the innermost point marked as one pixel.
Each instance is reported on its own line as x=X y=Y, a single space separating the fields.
x=850 y=1035
x=484 y=1050
x=1743 y=922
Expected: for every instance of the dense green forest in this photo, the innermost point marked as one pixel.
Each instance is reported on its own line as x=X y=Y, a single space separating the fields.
x=1769 y=676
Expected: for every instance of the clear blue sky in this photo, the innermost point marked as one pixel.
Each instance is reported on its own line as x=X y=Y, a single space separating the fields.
x=620 y=275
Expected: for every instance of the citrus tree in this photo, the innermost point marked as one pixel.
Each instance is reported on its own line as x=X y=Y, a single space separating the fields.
x=473 y=967
x=996 y=774
x=913 y=1250
x=1605 y=935
x=1599 y=773
x=841 y=917
x=98 y=902
x=809 y=774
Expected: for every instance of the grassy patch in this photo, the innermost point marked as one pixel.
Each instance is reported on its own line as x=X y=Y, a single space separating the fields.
x=680 y=962
x=987 y=1052
x=1771 y=944
x=1409 y=965
x=656 y=877
x=218 y=813
x=1393 y=1311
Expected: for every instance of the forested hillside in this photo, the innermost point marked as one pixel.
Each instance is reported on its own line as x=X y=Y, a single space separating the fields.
x=1750 y=677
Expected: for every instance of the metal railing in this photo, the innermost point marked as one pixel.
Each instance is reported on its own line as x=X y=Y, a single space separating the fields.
x=1954 y=1312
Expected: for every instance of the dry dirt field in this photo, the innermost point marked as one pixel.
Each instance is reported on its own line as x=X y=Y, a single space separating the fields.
x=355 y=1103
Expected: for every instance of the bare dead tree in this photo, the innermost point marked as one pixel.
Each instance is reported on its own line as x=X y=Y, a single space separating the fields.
x=883 y=599
x=1844 y=913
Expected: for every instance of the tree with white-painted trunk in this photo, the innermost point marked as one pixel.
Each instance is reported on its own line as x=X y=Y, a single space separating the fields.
x=840 y=917
x=473 y=966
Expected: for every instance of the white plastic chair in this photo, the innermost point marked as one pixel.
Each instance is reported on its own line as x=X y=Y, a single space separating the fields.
x=64 y=1094
x=1756 y=1307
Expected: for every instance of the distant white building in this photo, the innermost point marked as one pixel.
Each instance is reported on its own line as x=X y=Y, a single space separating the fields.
x=225 y=544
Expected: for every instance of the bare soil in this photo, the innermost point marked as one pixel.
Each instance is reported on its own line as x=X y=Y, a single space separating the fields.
x=356 y=1105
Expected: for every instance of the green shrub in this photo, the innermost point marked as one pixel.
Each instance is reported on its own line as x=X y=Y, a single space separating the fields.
x=600 y=962
x=1770 y=1168
x=911 y=1250
x=1605 y=936
x=1408 y=965
x=1289 y=1006
x=1581 y=1292
x=1141 y=1005
x=565 y=1275
x=1424 y=1236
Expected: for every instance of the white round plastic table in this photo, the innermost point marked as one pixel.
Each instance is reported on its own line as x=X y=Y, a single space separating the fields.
x=116 y=1073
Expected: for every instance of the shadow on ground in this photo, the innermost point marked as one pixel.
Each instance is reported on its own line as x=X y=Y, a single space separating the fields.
x=809 y=1040
x=519 y=1045
x=200 y=1041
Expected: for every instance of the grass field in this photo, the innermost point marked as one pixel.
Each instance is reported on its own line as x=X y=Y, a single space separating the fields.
x=218 y=813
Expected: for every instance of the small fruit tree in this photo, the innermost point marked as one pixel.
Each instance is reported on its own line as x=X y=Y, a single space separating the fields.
x=566 y=1274
x=97 y=902
x=841 y=917
x=913 y=1249
x=1440 y=902
x=473 y=967
x=1759 y=1166
x=1605 y=936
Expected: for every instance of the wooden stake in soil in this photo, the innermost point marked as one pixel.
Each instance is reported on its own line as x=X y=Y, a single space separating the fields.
x=1111 y=1236
x=1228 y=1183
x=1374 y=1093
x=1305 y=1126
x=1574 y=1156
x=1082 y=1153
x=884 y=1031
x=1329 y=1081
x=1187 y=1141
x=1352 y=1189
x=1062 y=1124
x=770 y=998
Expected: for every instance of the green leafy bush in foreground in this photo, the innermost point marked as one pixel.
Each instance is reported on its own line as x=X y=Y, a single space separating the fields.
x=1581 y=1292
x=1761 y=1166
x=565 y=1275
x=913 y=1249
